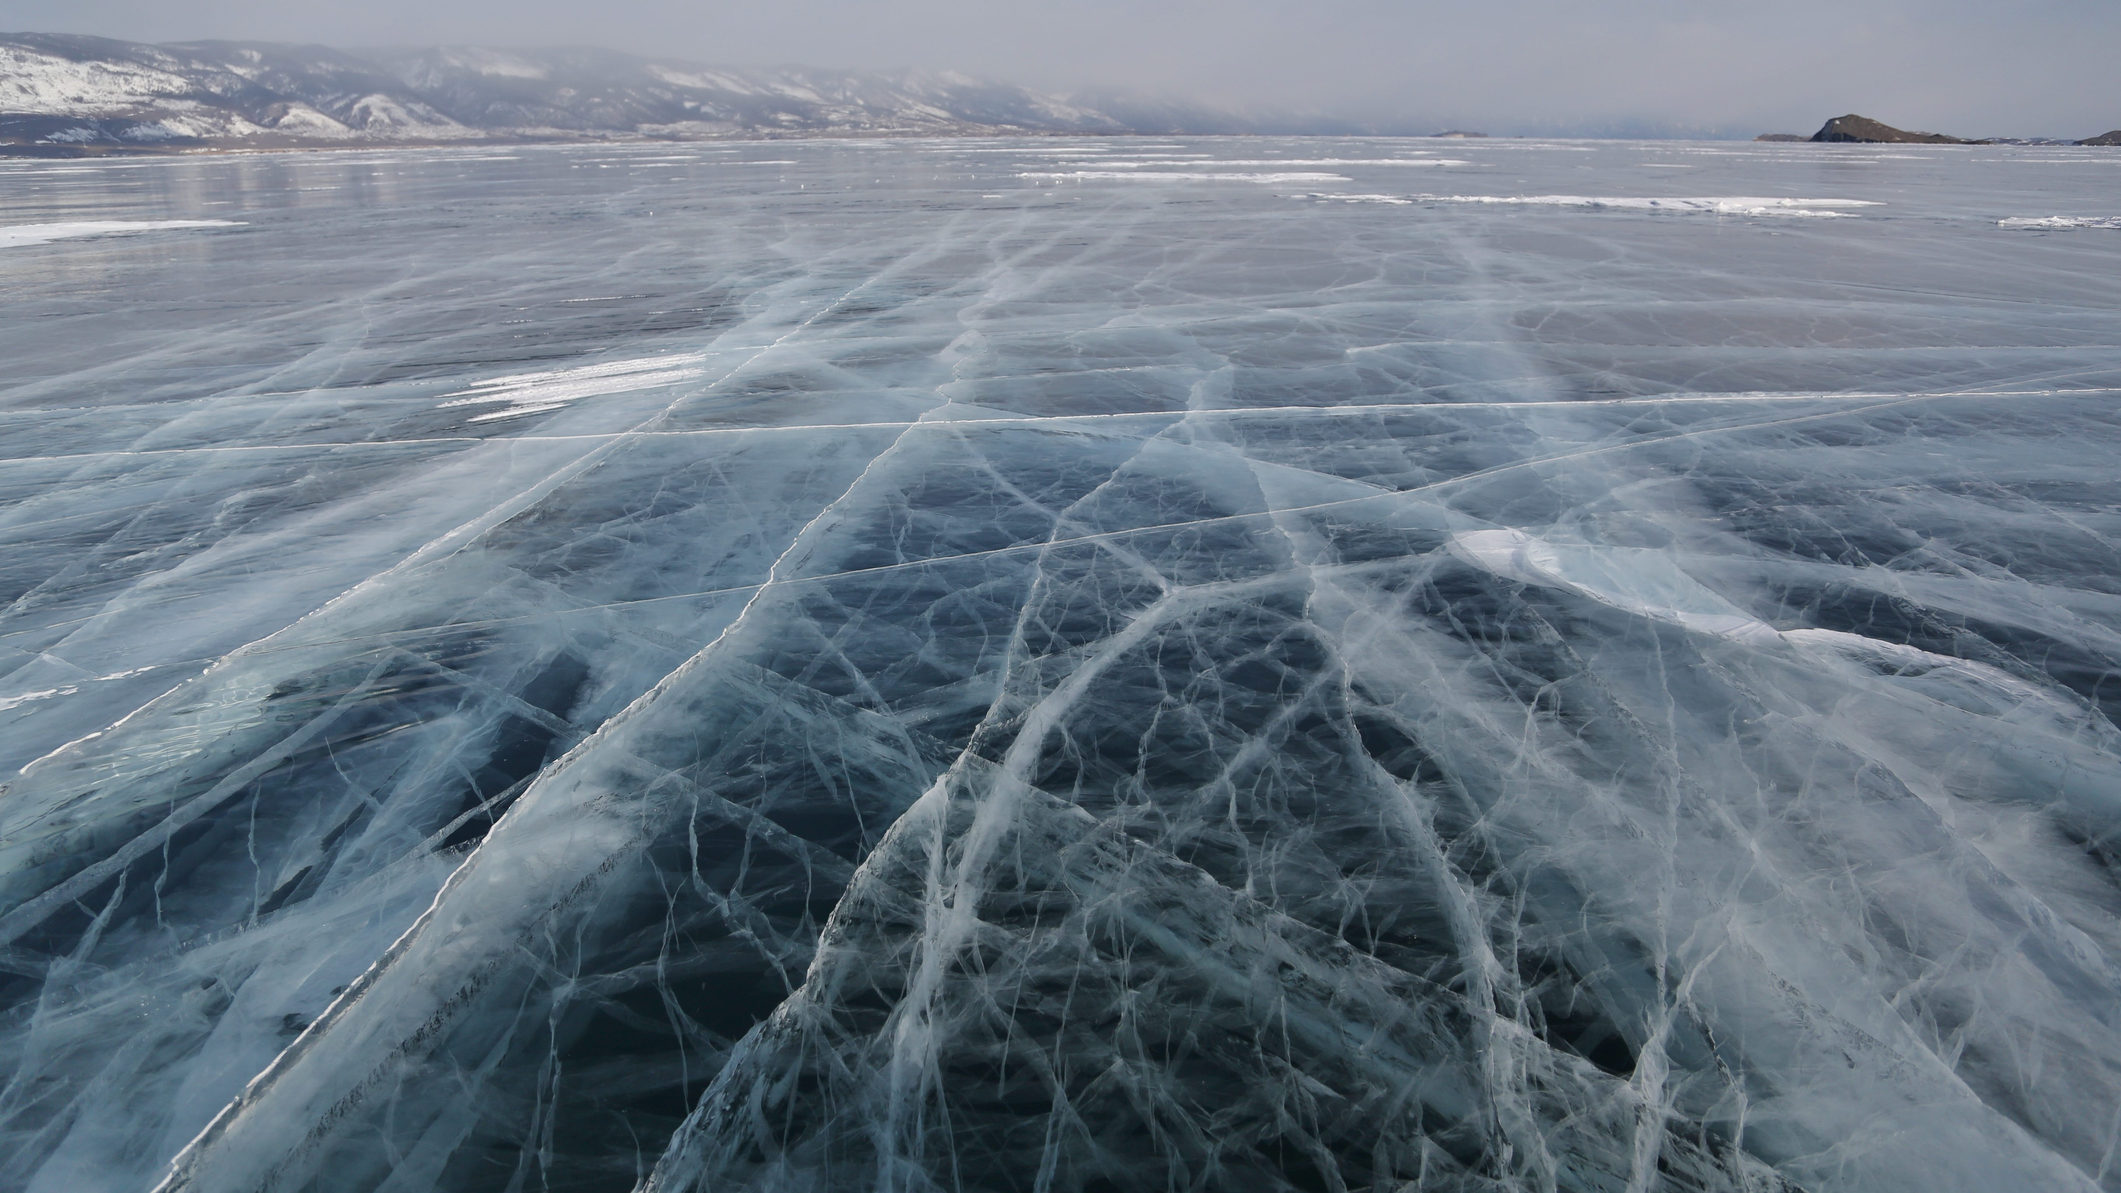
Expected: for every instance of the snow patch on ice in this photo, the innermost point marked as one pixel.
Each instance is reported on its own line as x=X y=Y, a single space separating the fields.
x=534 y=393
x=1650 y=584
x=1753 y=205
x=1635 y=579
x=8 y=702
x=1181 y=176
x=1327 y=196
x=1290 y=162
x=2054 y=222
x=1990 y=686
x=22 y=234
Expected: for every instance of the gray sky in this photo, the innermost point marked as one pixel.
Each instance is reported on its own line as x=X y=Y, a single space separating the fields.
x=1974 y=68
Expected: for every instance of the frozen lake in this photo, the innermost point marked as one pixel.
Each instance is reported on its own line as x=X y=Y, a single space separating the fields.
x=1101 y=665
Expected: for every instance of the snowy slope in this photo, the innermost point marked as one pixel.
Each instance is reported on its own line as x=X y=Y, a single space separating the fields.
x=64 y=89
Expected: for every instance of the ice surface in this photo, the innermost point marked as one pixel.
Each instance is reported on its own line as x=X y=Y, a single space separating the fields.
x=829 y=666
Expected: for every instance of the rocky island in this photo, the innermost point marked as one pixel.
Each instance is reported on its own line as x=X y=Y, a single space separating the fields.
x=1867 y=131
x=1862 y=130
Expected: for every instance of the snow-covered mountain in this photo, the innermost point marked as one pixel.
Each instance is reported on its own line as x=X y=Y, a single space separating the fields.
x=62 y=90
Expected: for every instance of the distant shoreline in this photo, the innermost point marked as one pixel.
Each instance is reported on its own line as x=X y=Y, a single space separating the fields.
x=75 y=96
x=68 y=152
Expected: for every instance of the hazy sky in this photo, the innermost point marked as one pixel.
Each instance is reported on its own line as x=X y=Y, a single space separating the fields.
x=1972 y=67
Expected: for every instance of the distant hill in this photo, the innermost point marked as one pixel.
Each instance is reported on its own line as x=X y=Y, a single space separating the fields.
x=1873 y=132
x=1863 y=130
x=61 y=93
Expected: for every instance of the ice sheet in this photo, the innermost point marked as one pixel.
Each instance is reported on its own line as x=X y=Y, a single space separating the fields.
x=593 y=669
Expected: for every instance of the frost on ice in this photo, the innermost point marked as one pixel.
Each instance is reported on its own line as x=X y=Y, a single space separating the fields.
x=850 y=684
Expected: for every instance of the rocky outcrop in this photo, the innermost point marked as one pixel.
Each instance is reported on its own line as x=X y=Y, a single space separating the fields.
x=1863 y=129
x=2112 y=138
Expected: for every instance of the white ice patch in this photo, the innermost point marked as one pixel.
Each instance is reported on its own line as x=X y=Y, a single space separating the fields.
x=1963 y=683
x=2061 y=222
x=1293 y=162
x=1752 y=205
x=534 y=393
x=1180 y=176
x=1330 y=197
x=8 y=702
x=1648 y=583
x=21 y=234
x=1636 y=579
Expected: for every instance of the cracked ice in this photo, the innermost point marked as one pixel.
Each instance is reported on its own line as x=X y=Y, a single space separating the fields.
x=919 y=666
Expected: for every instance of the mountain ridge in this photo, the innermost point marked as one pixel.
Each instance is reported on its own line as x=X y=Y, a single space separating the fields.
x=72 y=93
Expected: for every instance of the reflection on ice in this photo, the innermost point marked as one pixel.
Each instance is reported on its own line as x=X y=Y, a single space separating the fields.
x=909 y=678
